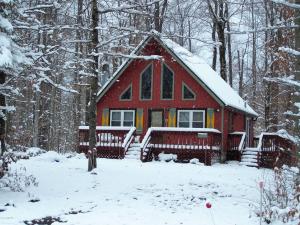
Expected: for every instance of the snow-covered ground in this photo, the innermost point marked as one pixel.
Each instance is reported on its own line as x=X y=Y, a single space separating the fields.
x=128 y=192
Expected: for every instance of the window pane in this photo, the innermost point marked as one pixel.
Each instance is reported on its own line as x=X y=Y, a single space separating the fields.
x=128 y=123
x=116 y=123
x=146 y=83
x=184 y=116
x=127 y=94
x=116 y=116
x=167 y=86
x=197 y=116
x=197 y=124
x=183 y=124
x=187 y=94
x=128 y=116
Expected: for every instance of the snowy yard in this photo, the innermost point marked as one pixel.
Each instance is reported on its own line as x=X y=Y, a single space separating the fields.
x=127 y=192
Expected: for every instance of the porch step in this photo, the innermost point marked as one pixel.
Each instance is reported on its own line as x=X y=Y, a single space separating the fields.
x=249 y=157
x=133 y=151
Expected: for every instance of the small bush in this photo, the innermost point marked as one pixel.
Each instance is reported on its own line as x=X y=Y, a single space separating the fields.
x=281 y=199
x=17 y=180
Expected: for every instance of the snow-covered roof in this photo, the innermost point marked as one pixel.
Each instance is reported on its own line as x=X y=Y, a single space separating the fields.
x=203 y=73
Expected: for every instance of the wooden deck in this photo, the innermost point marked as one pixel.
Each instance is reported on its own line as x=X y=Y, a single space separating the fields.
x=203 y=144
x=112 y=142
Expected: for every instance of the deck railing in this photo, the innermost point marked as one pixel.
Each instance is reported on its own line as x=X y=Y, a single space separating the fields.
x=236 y=145
x=186 y=143
x=276 y=150
x=112 y=142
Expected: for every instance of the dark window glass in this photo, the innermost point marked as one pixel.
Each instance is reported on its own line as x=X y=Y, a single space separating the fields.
x=167 y=85
x=116 y=118
x=184 y=119
x=127 y=94
x=146 y=83
x=187 y=93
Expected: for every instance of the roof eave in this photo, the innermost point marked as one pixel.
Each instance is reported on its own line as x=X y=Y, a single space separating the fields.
x=115 y=76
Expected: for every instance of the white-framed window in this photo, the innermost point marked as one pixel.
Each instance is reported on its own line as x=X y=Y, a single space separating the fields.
x=191 y=118
x=122 y=118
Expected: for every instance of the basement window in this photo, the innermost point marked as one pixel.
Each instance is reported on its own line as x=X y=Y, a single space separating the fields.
x=187 y=93
x=122 y=118
x=127 y=94
x=167 y=83
x=146 y=84
x=191 y=118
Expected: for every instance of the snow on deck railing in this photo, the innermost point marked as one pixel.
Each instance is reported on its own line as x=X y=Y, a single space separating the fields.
x=280 y=133
x=105 y=128
x=128 y=137
x=147 y=137
x=243 y=138
x=183 y=129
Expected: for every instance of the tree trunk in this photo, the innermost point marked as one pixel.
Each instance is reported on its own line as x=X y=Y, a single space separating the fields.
x=230 y=73
x=94 y=80
x=241 y=73
x=2 y=117
x=35 y=139
x=213 y=36
x=296 y=98
x=222 y=49
x=254 y=73
x=190 y=40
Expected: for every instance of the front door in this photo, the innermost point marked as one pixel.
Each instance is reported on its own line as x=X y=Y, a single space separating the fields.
x=156 y=118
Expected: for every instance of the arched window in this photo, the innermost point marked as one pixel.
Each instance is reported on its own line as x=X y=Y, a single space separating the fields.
x=146 y=83
x=167 y=83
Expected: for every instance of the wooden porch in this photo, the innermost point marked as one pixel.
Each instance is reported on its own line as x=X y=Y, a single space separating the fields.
x=112 y=142
x=270 y=150
x=204 y=144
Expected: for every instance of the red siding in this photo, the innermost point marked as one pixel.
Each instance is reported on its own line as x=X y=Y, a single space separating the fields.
x=132 y=75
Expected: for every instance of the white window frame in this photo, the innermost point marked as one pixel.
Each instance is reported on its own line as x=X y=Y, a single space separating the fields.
x=122 y=116
x=191 y=116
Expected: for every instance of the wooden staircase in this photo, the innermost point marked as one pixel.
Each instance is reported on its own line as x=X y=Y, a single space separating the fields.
x=134 y=151
x=250 y=157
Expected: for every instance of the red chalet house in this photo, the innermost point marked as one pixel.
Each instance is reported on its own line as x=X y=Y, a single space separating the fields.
x=175 y=104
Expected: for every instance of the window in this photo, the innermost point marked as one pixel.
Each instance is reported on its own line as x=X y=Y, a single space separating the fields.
x=122 y=118
x=191 y=118
x=126 y=95
x=146 y=84
x=167 y=83
x=187 y=93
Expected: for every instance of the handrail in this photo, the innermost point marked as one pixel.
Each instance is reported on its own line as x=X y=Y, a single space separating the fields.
x=106 y=128
x=145 y=141
x=278 y=142
x=242 y=141
x=128 y=139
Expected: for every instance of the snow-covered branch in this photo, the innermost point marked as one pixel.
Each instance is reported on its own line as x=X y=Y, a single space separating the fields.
x=287 y=3
x=290 y=51
x=126 y=7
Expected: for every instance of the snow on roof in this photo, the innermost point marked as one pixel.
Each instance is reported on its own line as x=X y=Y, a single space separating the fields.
x=199 y=68
x=209 y=77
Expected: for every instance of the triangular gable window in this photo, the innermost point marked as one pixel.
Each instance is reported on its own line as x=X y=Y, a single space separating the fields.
x=126 y=95
x=187 y=93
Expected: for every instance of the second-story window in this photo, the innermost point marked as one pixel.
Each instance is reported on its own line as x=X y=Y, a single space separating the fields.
x=146 y=84
x=167 y=83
